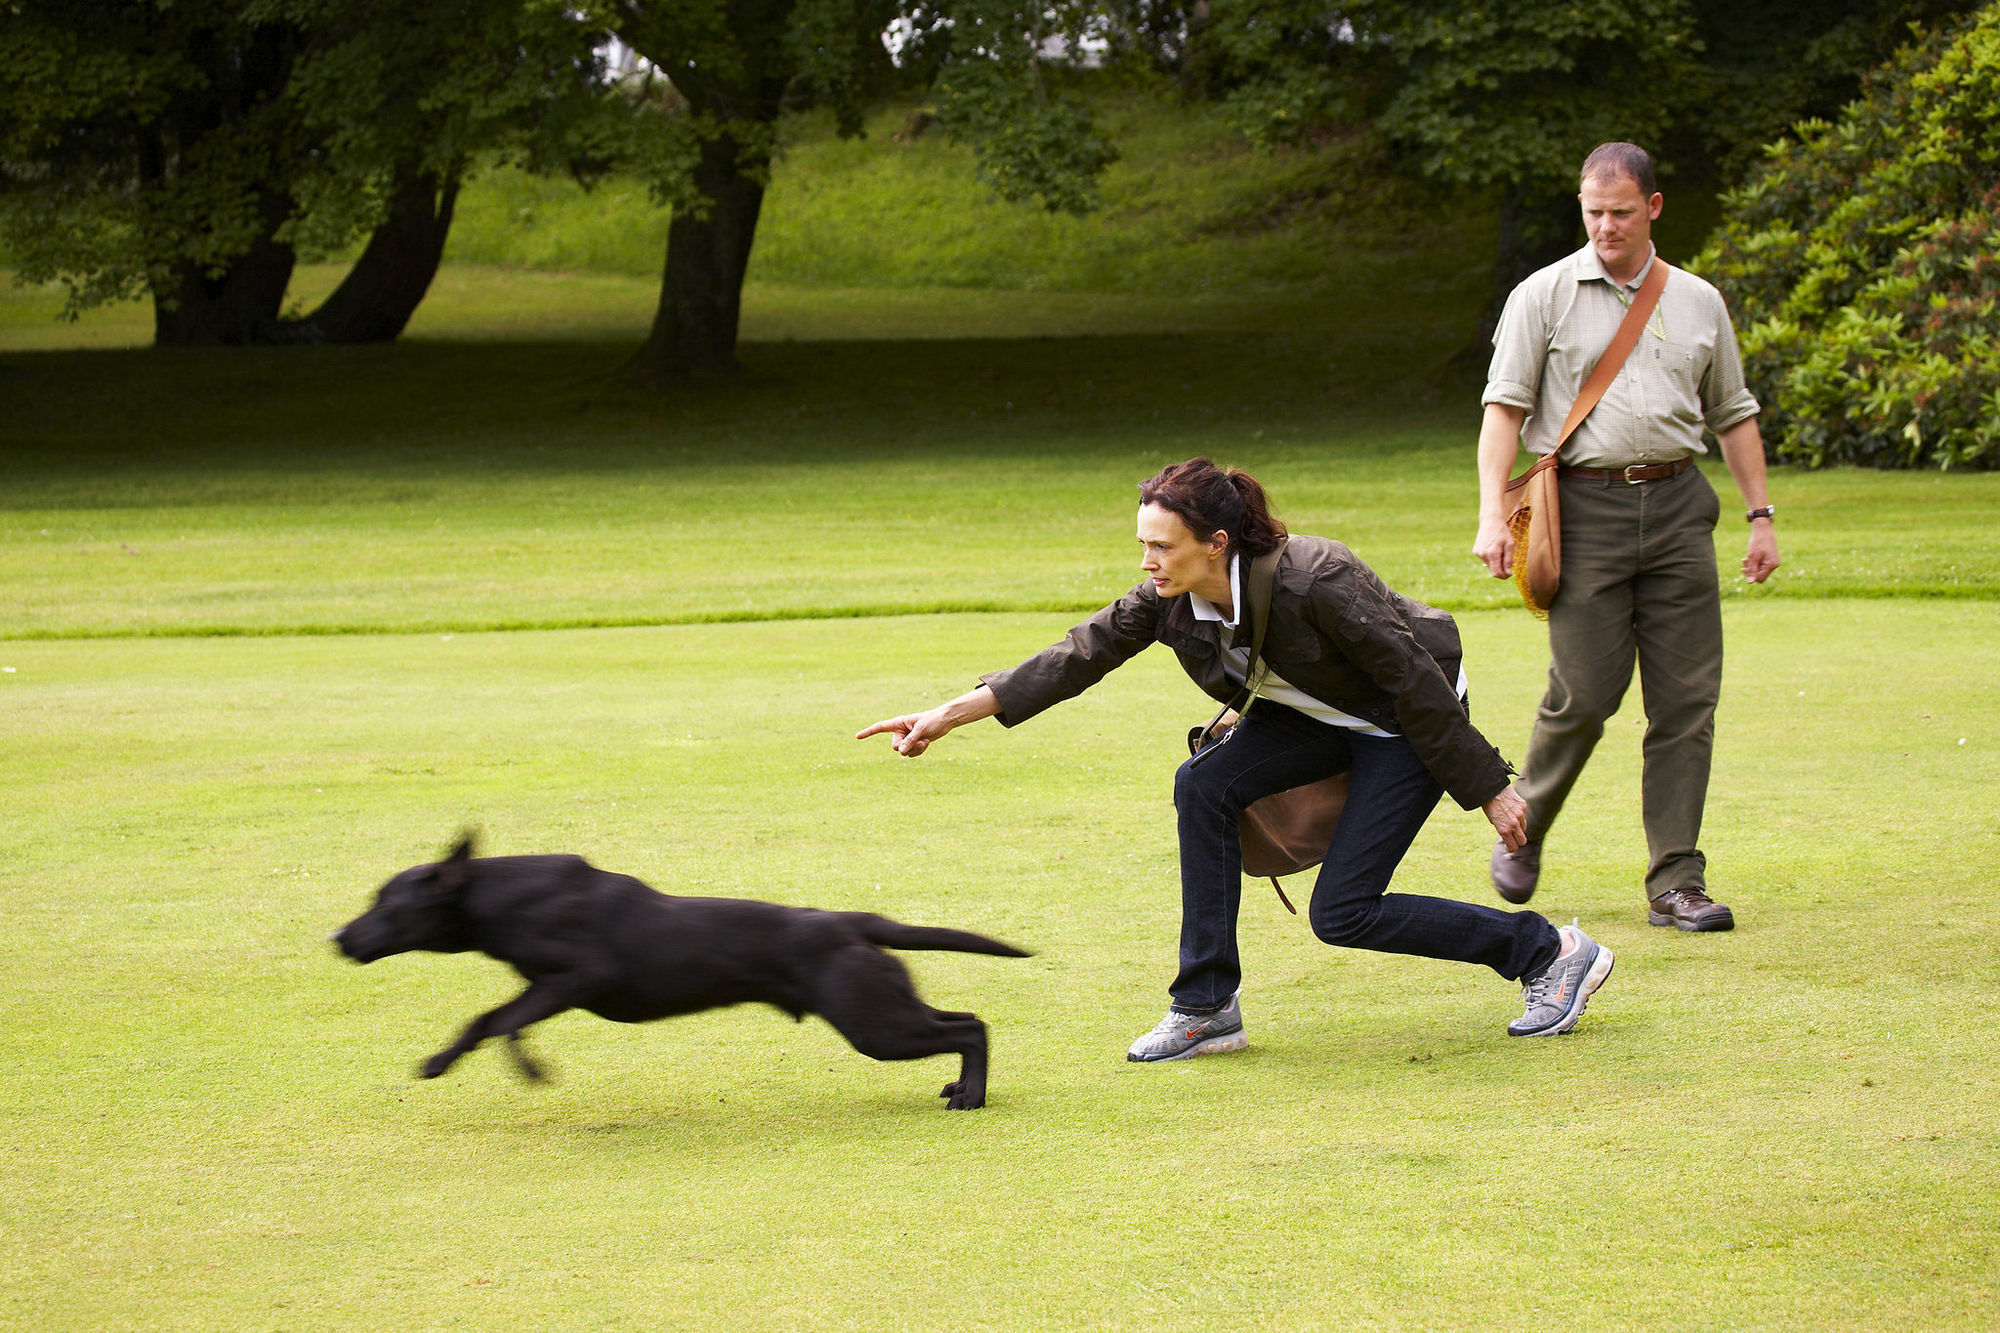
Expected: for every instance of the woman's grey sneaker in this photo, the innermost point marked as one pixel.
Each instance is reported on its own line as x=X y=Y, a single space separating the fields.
x=1555 y=999
x=1181 y=1036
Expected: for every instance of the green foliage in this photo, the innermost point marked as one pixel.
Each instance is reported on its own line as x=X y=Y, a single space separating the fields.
x=137 y=137
x=1514 y=96
x=1519 y=94
x=1863 y=265
x=1764 y=65
x=999 y=89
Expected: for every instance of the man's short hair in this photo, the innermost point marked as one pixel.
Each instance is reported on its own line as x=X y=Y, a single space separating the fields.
x=1609 y=161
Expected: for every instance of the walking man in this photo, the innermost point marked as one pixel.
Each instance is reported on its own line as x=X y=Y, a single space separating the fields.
x=1638 y=523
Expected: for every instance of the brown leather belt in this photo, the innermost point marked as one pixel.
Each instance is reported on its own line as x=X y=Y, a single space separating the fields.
x=1632 y=475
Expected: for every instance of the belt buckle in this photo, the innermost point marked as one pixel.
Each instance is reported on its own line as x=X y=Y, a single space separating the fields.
x=1630 y=468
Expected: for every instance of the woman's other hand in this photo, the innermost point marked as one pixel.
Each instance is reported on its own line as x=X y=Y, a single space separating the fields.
x=1509 y=814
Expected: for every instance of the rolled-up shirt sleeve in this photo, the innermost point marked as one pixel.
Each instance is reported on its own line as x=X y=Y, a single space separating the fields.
x=1725 y=398
x=1520 y=347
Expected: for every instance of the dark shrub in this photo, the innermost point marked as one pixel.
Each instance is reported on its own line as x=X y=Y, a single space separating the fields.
x=1862 y=263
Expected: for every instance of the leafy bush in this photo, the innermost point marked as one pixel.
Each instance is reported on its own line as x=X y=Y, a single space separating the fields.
x=1863 y=263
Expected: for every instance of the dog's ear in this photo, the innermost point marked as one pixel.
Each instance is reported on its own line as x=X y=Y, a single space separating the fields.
x=451 y=872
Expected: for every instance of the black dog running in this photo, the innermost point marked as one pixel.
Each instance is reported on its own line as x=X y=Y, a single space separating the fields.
x=588 y=939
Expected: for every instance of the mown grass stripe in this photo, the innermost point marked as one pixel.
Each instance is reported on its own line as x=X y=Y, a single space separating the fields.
x=779 y=615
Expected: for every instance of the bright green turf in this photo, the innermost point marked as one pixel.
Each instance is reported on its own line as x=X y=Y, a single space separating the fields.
x=209 y=1120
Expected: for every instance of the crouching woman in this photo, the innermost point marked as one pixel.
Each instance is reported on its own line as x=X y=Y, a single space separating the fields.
x=1350 y=689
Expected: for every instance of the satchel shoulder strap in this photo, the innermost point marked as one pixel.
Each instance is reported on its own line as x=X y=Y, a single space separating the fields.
x=1263 y=573
x=1607 y=367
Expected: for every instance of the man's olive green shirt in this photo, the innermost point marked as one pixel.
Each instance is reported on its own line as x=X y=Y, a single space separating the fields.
x=1684 y=374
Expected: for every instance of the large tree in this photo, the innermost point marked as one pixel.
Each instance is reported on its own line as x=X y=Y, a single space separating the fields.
x=186 y=151
x=189 y=149
x=146 y=148
x=738 y=64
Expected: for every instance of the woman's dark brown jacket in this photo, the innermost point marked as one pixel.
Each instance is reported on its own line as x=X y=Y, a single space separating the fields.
x=1337 y=632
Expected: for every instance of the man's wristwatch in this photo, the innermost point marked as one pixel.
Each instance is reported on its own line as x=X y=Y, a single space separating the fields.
x=1762 y=511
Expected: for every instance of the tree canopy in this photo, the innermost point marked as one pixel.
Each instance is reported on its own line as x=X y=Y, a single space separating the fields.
x=191 y=150
x=1505 y=101
x=188 y=151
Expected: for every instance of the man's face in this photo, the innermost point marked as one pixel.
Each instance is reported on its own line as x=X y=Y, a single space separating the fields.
x=1619 y=220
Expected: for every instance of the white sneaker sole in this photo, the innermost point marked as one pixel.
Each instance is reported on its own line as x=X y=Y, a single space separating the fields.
x=1234 y=1041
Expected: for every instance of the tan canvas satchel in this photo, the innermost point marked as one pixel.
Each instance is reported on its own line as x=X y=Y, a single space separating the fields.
x=1532 y=503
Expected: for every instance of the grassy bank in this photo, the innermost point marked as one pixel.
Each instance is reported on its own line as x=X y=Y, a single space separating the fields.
x=303 y=490
x=1190 y=209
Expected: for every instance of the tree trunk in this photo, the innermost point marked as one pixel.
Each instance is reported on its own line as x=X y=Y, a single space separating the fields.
x=239 y=306
x=379 y=294
x=701 y=294
x=1536 y=230
x=1200 y=72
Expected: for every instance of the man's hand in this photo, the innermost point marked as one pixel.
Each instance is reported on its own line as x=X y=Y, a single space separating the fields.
x=1762 y=556
x=1495 y=547
x=1743 y=449
x=1509 y=815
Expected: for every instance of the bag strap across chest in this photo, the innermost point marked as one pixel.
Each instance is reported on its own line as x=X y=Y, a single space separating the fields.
x=1607 y=367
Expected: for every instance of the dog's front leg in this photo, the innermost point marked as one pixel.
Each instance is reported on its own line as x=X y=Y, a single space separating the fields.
x=532 y=1005
x=524 y=1062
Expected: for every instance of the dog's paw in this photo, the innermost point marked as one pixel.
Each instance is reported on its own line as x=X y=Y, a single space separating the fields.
x=951 y=1089
x=437 y=1064
x=960 y=1100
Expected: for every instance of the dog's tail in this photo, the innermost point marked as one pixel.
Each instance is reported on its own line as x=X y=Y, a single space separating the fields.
x=896 y=935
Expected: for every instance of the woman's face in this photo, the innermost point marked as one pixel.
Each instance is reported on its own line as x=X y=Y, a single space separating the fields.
x=1174 y=558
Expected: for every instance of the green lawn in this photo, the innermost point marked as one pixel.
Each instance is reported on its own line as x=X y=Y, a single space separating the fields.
x=211 y=1122
x=250 y=665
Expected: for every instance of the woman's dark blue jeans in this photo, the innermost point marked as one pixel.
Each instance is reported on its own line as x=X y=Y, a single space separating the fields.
x=1274 y=749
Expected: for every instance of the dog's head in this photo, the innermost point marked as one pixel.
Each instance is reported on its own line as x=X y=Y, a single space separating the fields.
x=422 y=908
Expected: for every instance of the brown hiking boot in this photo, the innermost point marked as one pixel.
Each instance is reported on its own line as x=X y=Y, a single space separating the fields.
x=1689 y=909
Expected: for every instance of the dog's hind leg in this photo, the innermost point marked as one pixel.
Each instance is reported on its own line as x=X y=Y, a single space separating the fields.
x=968 y=1091
x=532 y=1005
x=867 y=996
